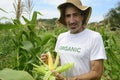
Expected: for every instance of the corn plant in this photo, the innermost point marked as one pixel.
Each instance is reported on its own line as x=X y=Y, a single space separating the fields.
x=30 y=43
x=112 y=63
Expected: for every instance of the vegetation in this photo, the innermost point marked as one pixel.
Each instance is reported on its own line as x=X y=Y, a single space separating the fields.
x=113 y=17
x=22 y=44
x=14 y=75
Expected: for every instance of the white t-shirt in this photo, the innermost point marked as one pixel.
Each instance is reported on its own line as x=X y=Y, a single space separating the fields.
x=80 y=49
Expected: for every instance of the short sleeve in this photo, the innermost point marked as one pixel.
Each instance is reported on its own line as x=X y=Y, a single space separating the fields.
x=97 y=48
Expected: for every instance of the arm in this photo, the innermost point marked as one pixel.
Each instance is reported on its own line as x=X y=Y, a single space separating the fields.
x=94 y=74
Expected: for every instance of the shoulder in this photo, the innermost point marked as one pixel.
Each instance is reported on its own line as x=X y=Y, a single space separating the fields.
x=95 y=37
x=62 y=35
x=93 y=34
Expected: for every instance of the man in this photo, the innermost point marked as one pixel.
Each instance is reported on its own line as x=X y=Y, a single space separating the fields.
x=79 y=45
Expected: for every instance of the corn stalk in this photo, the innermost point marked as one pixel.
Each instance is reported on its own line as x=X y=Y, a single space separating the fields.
x=30 y=43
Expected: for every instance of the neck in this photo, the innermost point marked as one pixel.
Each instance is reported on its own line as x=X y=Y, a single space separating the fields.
x=80 y=30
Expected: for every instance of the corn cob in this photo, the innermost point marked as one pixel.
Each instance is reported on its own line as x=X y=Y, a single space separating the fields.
x=47 y=75
x=46 y=69
x=50 y=61
x=41 y=69
x=56 y=61
x=64 y=67
x=52 y=77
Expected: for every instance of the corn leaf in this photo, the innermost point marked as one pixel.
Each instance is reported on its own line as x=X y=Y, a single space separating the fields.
x=39 y=13
x=9 y=74
x=40 y=69
x=25 y=19
x=43 y=63
x=47 y=75
x=3 y=10
x=33 y=21
x=56 y=61
x=7 y=26
x=51 y=78
x=27 y=45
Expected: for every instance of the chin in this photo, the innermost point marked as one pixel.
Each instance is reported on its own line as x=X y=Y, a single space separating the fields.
x=74 y=32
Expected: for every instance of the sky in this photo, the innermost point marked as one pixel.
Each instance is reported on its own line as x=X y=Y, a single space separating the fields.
x=49 y=8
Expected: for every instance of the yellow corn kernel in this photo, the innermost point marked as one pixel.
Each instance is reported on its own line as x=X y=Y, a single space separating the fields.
x=50 y=61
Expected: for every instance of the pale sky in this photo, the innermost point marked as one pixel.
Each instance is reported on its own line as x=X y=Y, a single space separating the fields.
x=49 y=8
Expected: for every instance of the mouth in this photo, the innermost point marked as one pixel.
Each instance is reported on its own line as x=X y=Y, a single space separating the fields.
x=73 y=23
x=73 y=26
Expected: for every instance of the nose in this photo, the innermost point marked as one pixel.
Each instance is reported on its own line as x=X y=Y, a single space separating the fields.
x=71 y=19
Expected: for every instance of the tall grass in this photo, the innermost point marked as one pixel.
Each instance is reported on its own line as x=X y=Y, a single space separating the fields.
x=6 y=49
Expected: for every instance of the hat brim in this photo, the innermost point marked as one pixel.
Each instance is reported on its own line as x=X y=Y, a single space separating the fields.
x=86 y=9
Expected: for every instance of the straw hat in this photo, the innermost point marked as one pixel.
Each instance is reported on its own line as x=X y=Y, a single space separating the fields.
x=77 y=3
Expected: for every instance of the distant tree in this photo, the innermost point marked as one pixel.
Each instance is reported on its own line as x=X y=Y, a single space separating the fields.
x=113 y=17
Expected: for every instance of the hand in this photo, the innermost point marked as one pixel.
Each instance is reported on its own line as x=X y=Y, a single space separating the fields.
x=58 y=76
x=44 y=58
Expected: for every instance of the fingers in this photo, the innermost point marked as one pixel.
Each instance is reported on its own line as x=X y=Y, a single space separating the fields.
x=58 y=76
x=44 y=58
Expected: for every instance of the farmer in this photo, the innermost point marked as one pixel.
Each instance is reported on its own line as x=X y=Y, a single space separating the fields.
x=79 y=45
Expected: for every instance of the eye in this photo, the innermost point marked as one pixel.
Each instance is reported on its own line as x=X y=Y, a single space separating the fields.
x=67 y=15
x=76 y=14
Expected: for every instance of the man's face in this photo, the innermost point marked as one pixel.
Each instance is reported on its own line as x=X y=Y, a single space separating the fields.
x=73 y=19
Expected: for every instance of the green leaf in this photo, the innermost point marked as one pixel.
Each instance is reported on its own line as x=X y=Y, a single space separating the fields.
x=7 y=26
x=45 y=38
x=52 y=77
x=43 y=62
x=27 y=45
x=40 y=69
x=3 y=10
x=47 y=75
x=34 y=18
x=25 y=19
x=17 y=23
x=5 y=18
x=9 y=74
x=56 y=61
x=39 y=13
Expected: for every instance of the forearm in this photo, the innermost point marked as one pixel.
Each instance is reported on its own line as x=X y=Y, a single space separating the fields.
x=92 y=75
